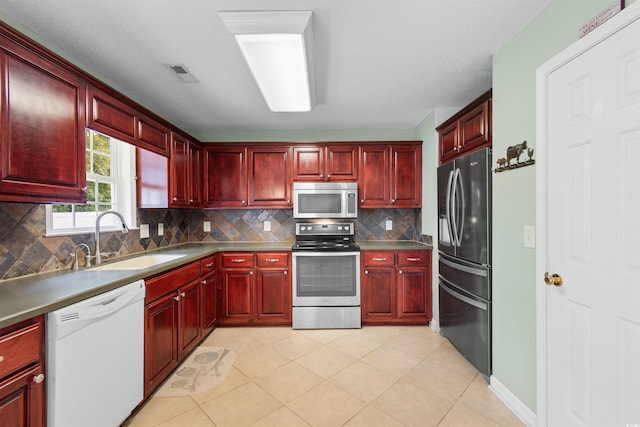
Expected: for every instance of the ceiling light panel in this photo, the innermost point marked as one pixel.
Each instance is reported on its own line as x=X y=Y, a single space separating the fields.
x=276 y=46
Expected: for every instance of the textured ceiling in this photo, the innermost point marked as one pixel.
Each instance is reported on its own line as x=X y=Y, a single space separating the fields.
x=379 y=64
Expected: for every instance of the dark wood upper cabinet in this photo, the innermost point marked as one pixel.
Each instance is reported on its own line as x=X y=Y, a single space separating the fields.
x=42 y=121
x=270 y=177
x=110 y=116
x=225 y=182
x=390 y=176
x=467 y=130
x=320 y=162
x=179 y=172
x=153 y=135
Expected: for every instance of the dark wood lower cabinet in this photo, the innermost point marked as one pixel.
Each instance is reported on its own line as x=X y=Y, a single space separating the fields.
x=22 y=379
x=189 y=324
x=396 y=287
x=161 y=336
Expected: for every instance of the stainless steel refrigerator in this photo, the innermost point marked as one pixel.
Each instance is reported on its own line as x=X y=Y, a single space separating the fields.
x=464 y=247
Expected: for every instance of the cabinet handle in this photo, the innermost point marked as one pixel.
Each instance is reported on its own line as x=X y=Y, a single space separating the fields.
x=84 y=189
x=393 y=200
x=328 y=176
x=400 y=272
x=288 y=202
x=209 y=265
x=183 y=294
x=175 y=199
x=38 y=378
x=238 y=260
x=272 y=260
x=191 y=200
x=366 y=272
x=204 y=282
x=321 y=175
x=379 y=259
x=244 y=202
x=361 y=200
x=251 y=273
x=177 y=298
x=413 y=259
x=1 y=358
x=285 y=272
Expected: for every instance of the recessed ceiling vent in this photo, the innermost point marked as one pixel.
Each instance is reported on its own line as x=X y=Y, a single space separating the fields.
x=180 y=71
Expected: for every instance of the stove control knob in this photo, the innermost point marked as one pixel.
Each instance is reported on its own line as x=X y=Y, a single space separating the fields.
x=339 y=228
x=301 y=228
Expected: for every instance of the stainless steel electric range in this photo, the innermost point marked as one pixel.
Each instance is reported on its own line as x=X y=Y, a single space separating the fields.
x=326 y=276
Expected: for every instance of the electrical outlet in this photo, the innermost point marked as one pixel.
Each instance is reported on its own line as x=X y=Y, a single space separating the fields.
x=388 y=225
x=160 y=229
x=529 y=236
x=267 y=226
x=206 y=226
x=144 y=231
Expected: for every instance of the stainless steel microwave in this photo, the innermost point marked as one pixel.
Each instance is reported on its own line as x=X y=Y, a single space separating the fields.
x=325 y=200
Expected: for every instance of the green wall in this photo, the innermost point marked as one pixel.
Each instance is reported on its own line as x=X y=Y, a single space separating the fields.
x=514 y=192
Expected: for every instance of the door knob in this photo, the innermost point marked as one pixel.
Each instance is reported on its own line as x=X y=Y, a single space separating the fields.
x=553 y=279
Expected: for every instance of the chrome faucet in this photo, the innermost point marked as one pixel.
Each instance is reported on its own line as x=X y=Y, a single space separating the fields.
x=125 y=229
x=87 y=258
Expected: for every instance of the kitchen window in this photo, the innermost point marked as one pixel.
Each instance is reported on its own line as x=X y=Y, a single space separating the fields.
x=110 y=186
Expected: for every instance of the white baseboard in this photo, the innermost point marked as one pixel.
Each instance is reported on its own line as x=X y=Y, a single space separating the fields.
x=521 y=410
x=434 y=325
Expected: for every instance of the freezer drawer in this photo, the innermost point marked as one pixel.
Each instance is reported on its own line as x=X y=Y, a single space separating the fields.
x=473 y=278
x=466 y=321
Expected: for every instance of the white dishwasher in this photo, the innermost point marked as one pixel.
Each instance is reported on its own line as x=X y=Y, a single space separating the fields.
x=95 y=359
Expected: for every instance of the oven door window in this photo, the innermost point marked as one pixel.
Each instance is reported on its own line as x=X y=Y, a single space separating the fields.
x=330 y=203
x=326 y=276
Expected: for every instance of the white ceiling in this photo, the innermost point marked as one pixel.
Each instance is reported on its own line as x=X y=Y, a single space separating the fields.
x=379 y=64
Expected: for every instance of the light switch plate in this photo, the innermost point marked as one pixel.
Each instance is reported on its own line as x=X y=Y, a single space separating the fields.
x=529 y=236
x=160 y=229
x=388 y=224
x=144 y=231
x=267 y=226
x=206 y=226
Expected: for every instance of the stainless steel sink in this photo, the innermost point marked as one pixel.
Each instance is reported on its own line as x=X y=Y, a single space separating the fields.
x=139 y=263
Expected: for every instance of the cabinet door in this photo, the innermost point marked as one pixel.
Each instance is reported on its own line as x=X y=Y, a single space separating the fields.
x=225 y=177
x=308 y=163
x=273 y=293
x=237 y=296
x=378 y=290
x=22 y=401
x=373 y=180
x=448 y=138
x=152 y=179
x=474 y=128
x=189 y=331
x=153 y=135
x=406 y=176
x=178 y=172
x=194 y=185
x=160 y=341
x=270 y=177
x=209 y=303
x=342 y=163
x=414 y=295
x=42 y=127
x=110 y=116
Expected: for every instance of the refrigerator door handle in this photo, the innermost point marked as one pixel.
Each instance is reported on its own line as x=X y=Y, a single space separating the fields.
x=448 y=200
x=462 y=210
x=454 y=202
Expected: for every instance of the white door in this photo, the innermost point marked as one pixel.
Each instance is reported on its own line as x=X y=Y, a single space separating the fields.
x=592 y=236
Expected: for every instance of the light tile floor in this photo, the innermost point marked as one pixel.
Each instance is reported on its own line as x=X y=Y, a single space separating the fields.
x=375 y=376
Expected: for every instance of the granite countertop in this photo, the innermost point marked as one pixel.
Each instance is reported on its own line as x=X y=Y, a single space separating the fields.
x=30 y=296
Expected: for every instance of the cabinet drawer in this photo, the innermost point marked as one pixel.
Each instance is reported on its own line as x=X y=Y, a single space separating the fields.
x=20 y=348
x=209 y=264
x=414 y=258
x=161 y=285
x=274 y=259
x=372 y=258
x=238 y=259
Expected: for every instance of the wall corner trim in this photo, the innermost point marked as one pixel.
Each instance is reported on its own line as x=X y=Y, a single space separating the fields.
x=521 y=410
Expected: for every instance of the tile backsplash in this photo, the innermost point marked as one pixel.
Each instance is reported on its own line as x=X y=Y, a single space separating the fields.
x=24 y=248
